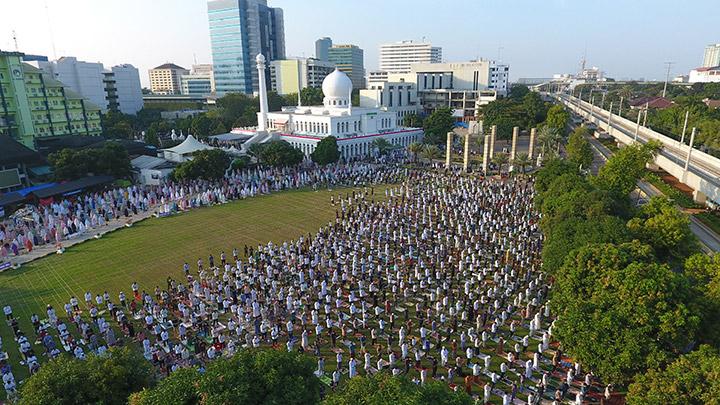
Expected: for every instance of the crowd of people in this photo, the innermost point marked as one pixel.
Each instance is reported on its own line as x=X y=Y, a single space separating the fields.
x=436 y=278
x=51 y=224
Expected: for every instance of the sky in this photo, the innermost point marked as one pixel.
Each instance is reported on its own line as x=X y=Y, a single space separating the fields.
x=537 y=38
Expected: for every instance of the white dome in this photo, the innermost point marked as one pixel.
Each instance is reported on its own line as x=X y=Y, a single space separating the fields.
x=337 y=85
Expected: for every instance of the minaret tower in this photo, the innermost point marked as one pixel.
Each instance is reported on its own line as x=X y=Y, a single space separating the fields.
x=262 y=117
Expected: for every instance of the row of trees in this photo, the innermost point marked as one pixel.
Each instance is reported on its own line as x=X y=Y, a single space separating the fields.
x=521 y=108
x=631 y=292
x=249 y=377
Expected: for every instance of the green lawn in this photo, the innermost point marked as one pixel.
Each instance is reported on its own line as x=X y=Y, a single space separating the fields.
x=154 y=249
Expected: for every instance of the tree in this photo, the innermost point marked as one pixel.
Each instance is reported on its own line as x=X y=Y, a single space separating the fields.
x=703 y=273
x=535 y=108
x=219 y=128
x=383 y=388
x=521 y=161
x=200 y=126
x=578 y=148
x=108 y=379
x=311 y=96
x=693 y=379
x=277 y=153
x=620 y=173
x=621 y=312
x=505 y=113
x=430 y=152
x=665 y=228
x=557 y=118
x=260 y=377
x=437 y=125
x=412 y=120
x=549 y=140
x=500 y=159
x=552 y=169
x=382 y=145
x=518 y=91
x=415 y=148
x=205 y=164
x=178 y=388
x=326 y=151
x=111 y=159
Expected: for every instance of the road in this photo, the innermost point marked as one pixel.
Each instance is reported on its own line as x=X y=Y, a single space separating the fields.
x=707 y=172
x=709 y=240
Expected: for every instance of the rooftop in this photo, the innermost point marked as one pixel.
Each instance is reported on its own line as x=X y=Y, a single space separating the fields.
x=169 y=66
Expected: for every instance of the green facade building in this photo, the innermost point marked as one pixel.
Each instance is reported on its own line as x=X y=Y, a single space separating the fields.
x=34 y=106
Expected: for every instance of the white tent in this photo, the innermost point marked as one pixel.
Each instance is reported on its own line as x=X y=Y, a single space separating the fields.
x=183 y=152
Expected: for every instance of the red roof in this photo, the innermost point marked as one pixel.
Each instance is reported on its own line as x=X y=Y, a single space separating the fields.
x=705 y=69
x=651 y=102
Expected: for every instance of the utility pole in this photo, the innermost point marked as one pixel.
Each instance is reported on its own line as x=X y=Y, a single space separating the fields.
x=637 y=124
x=602 y=102
x=647 y=106
x=682 y=138
x=667 y=76
x=609 y=122
x=620 y=107
x=692 y=140
x=592 y=107
x=15 y=40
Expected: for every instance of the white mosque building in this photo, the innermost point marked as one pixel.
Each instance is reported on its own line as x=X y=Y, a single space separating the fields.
x=304 y=126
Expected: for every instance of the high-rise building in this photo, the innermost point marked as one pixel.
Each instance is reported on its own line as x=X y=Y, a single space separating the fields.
x=96 y=84
x=33 y=105
x=199 y=82
x=128 y=88
x=289 y=75
x=239 y=31
x=165 y=79
x=397 y=57
x=712 y=56
x=322 y=46
x=349 y=60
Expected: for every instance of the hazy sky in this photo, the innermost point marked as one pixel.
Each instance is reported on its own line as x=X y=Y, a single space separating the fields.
x=630 y=38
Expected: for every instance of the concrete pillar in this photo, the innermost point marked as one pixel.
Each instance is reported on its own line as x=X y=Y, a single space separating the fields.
x=609 y=122
x=481 y=128
x=692 y=141
x=493 y=135
x=531 y=148
x=486 y=153
x=262 y=119
x=466 y=152
x=513 y=147
x=448 y=149
x=637 y=125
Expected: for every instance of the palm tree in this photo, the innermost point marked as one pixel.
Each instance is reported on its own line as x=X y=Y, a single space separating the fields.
x=500 y=159
x=430 y=152
x=383 y=145
x=415 y=148
x=549 y=140
x=521 y=160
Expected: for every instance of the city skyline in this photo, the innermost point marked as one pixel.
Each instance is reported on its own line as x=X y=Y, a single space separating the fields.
x=535 y=41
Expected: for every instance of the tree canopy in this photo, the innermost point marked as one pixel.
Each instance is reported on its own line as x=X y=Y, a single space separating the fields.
x=665 y=228
x=621 y=312
x=276 y=153
x=692 y=379
x=206 y=164
x=557 y=118
x=437 y=125
x=383 y=388
x=326 y=151
x=620 y=173
x=578 y=148
x=111 y=159
x=107 y=379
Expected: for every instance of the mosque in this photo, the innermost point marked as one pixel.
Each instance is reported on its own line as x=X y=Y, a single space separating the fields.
x=304 y=126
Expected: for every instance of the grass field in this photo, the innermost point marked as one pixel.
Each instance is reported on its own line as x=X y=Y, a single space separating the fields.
x=154 y=249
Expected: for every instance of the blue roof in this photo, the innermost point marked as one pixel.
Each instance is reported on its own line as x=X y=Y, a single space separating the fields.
x=27 y=190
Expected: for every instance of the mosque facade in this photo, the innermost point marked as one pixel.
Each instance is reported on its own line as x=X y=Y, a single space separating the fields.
x=356 y=128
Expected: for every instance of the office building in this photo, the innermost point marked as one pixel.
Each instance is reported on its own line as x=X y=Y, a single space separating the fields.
x=349 y=59
x=322 y=46
x=199 y=82
x=376 y=76
x=165 y=79
x=397 y=57
x=463 y=86
x=712 y=56
x=96 y=84
x=289 y=75
x=34 y=106
x=239 y=30
x=128 y=88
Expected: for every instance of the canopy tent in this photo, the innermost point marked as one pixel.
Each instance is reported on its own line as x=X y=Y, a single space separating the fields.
x=182 y=152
